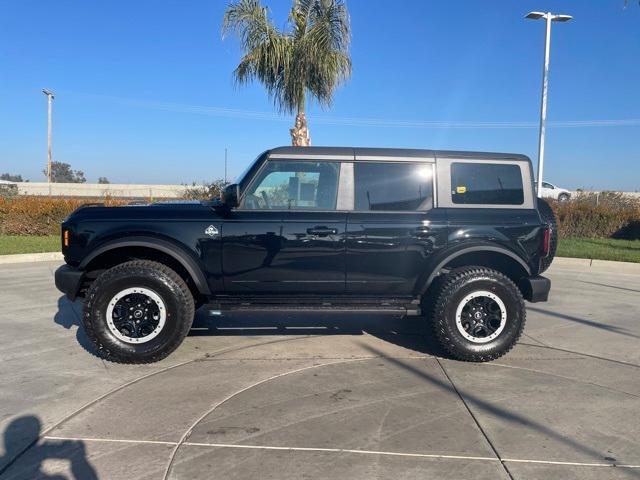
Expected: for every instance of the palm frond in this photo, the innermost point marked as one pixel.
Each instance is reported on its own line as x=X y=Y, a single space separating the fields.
x=310 y=59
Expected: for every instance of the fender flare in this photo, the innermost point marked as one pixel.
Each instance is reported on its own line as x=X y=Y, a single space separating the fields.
x=177 y=253
x=464 y=251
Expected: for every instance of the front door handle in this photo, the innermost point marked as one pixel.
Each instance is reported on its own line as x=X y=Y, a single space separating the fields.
x=322 y=231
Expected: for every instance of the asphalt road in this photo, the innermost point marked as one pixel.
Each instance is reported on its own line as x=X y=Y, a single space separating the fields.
x=319 y=397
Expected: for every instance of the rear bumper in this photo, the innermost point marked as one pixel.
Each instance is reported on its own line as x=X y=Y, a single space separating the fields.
x=68 y=280
x=536 y=288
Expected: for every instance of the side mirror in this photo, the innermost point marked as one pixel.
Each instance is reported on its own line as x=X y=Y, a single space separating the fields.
x=231 y=195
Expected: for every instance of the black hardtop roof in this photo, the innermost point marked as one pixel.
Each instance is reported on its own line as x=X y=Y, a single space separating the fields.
x=397 y=152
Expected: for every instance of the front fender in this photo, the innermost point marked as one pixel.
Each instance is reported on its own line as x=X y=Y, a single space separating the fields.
x=178 y=253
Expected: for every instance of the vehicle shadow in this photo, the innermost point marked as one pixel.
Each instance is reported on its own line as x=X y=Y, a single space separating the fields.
x=69 y=315
x=24 y=456
x=413 y=333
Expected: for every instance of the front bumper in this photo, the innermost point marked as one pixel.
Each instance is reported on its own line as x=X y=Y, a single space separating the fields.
x=68 y=280
x=536 y=288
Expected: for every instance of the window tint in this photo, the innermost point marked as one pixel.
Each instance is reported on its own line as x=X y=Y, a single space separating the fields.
x=393 y=186
x=486 y=183
x=547 y=185
x=294 y=185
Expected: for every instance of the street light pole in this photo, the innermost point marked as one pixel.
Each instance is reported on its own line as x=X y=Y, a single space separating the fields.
x=50 y=98
x=549 y=17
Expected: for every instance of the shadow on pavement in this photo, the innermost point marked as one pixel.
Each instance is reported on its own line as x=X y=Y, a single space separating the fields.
x=20 y=438
x=514 y=418
x=413 y=333
x=68 y=316
x=584 y=321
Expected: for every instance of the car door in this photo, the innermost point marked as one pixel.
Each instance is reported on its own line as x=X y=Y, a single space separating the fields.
x=393 y=228
x=548 y=191
x=287 y=235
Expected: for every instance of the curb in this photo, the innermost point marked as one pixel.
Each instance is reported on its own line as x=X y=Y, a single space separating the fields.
x=621 y=267
x=31 y=257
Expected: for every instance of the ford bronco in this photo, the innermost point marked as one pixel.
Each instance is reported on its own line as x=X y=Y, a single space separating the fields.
x=458 y=237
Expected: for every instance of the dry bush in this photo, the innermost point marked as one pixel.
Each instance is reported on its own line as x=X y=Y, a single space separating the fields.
x=607 y=214
x=206 y=191
x=41 y=215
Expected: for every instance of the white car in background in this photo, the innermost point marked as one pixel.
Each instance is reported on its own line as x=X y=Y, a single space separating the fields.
x=551 y=191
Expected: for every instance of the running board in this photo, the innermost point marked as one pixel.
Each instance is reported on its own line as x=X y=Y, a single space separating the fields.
x=404 y=306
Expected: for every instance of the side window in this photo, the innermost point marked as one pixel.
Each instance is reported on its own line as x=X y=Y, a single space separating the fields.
x=547 y=185
x=397 y=186
x=285 y=185
x=486 y=183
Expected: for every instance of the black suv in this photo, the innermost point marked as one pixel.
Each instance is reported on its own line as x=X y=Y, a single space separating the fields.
x=457 y=236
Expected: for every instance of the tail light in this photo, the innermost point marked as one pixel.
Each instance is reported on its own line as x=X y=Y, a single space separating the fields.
x=546 y=241
x=65 y=238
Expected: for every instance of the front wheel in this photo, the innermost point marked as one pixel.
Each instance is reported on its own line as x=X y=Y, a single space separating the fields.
x=138 y=312
x=479 y=314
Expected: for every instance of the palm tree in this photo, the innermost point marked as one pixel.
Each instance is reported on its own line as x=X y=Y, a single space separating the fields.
x=307 y=59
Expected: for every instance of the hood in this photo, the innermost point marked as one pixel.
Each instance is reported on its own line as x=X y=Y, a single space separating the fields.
x=163 y=210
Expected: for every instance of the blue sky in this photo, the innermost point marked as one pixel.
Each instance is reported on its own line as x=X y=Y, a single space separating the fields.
x=144 y=91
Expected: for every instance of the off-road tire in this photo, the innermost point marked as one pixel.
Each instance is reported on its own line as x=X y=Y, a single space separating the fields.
x=159 y=278
x=455 y=287
x=549 y=218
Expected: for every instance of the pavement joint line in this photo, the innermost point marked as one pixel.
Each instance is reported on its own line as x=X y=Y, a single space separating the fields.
x=476 y=421
x=188 y=432
x=127 y=384
x=597 y=357
x=340 y=450
x=407 y=357
x=515 y=367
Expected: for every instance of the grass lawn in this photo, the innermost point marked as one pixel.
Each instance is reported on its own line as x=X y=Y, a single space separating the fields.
x=600 y=249
x=26 y=244
x=595 y=248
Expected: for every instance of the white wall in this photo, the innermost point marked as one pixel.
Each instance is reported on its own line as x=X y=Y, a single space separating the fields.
x=100 y=190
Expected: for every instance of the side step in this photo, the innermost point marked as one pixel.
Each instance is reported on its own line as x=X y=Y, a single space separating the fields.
x=396 y=305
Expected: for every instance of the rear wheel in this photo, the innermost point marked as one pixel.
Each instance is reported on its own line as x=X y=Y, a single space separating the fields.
x=138 y=312
x=563 y=197
x=548 y=217
x=478 y=315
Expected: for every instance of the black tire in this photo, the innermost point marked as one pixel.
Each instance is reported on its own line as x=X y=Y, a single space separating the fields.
x=563 y=197
x=152 y=276
x=548 y=217
x=457 y=286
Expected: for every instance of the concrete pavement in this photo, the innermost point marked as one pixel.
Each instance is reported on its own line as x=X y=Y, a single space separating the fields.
x=316 y=396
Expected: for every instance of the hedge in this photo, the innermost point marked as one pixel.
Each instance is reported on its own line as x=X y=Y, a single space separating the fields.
x=607 y=215
x=602 y=215
x=40 y=215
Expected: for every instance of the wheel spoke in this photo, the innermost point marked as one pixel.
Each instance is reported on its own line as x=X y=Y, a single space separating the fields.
x=481 y=316
x=136 y=315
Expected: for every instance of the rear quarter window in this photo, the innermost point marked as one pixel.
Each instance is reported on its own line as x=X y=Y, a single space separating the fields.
x=486 y=184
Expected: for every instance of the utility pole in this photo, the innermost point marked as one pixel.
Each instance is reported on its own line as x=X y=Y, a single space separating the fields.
x=549 y=17
x=225 y=166
x=50 y=98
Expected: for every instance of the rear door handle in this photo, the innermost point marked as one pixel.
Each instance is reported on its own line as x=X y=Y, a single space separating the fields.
x=322 y=231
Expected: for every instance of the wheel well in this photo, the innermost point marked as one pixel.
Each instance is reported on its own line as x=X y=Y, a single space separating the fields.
x=119 y=255
x=489 y=259
x=494 y=260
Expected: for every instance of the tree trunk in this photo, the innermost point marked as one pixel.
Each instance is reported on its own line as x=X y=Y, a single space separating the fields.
x=300 y=132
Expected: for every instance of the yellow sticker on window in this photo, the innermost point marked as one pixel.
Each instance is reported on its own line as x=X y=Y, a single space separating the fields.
x=461 y=189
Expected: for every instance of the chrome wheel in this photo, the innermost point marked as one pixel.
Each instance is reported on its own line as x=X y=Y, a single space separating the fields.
x=136 y=315
x=481 y=316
